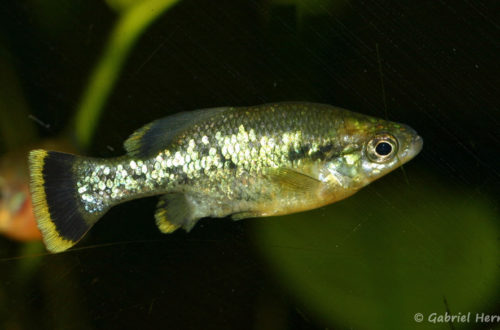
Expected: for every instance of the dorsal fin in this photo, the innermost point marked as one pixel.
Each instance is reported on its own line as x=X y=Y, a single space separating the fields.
x=157 y=135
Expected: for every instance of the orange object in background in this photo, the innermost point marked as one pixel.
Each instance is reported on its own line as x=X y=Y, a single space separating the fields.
x=16 y=213
x=18 y=223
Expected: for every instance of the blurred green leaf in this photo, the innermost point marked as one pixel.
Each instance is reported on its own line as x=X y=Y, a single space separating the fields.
x=393 y=250
x=132 y=23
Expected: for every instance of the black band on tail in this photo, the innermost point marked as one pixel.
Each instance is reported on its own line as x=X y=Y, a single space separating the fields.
x=56 y=201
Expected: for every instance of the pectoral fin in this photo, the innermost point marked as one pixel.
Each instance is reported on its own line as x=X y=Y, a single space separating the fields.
x=293 y=180
x=291 y=183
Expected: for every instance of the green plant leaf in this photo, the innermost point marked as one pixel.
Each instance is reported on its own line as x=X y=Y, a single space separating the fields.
x=393 y=250
x=132 y=23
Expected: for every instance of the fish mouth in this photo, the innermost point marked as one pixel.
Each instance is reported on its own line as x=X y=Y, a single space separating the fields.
x=418 y=144
x=414 y=148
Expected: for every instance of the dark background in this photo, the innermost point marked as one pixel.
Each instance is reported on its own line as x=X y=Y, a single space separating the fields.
x=439 y=64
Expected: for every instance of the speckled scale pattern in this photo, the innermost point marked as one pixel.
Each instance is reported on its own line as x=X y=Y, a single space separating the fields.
x=223 y=159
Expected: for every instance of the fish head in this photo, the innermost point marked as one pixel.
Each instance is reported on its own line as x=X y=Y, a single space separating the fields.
x=370 y=148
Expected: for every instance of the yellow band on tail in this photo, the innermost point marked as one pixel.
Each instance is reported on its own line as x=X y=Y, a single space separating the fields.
x=53 y=241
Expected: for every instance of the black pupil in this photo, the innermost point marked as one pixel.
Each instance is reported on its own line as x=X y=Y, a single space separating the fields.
x=383 y=148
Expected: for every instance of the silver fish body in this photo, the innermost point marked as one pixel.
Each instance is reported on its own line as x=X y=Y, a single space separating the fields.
x=241 y=162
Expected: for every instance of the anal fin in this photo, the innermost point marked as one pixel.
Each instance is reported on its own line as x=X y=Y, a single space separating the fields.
x=162 y=219
x=174 y=211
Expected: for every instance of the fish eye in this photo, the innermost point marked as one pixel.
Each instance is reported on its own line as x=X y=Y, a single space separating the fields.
x=382 y=147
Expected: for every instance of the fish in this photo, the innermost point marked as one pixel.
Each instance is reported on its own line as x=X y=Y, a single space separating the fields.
x=238 y=162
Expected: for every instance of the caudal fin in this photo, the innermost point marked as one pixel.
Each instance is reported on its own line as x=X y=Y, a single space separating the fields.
x=57 y=208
